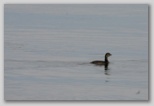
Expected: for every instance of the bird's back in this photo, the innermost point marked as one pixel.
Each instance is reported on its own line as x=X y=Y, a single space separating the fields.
x=98 y=62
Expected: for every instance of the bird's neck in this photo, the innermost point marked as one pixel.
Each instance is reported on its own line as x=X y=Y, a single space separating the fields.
x=106 y=59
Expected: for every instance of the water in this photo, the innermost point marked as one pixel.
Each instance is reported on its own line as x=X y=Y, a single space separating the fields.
x=48 y=53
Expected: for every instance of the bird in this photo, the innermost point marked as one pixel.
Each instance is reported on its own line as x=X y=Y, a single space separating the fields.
x=99 y=62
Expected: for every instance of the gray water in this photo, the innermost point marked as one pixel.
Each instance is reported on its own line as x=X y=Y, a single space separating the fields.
x=48 y=50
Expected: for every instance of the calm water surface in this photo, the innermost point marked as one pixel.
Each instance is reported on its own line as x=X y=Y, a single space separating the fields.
x=47 y=53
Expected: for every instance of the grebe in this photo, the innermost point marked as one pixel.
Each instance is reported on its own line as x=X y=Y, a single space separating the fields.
x=99 y=62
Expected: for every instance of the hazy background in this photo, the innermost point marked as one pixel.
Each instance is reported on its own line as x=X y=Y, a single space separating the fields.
x=48 y=49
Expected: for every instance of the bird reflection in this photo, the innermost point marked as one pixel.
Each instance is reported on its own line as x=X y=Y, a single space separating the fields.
x=106 y=72
x=106 y=66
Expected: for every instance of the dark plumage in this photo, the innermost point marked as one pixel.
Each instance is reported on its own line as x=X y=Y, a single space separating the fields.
x=99 y=62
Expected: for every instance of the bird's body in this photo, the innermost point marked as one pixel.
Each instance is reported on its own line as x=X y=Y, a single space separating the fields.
x=98 y=62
